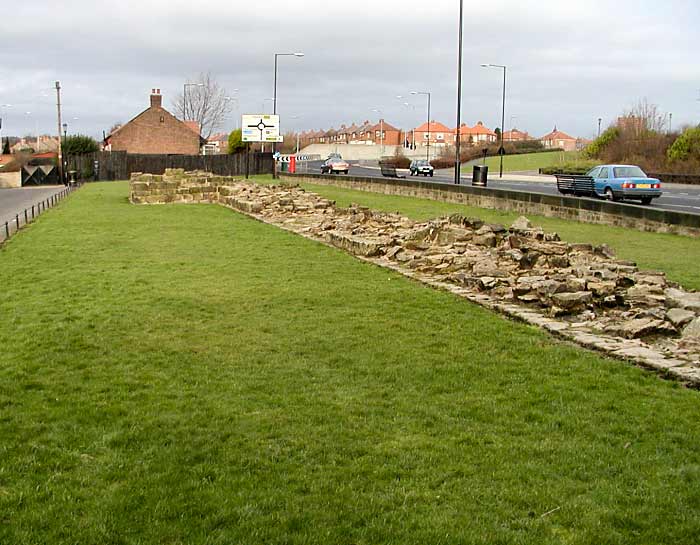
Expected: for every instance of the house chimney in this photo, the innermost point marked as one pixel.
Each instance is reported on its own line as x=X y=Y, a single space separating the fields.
x=156 y=99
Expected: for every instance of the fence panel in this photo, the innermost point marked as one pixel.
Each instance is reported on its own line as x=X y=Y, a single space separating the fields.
x=119 y=165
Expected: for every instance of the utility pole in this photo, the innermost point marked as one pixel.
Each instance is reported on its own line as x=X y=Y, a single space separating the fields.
x=60 y=147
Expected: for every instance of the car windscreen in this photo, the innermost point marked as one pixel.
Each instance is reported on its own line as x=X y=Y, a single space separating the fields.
x=629 y=172
x=422 y=163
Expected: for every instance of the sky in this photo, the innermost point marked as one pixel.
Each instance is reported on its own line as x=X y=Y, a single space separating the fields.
x=569 y=63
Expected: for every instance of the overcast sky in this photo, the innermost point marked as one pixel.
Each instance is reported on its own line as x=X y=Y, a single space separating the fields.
x=569 y=63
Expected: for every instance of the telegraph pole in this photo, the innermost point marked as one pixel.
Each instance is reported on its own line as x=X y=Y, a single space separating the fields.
x=60 y=147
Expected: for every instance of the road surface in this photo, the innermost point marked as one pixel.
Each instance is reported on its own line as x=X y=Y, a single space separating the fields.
x=14 y=201
x=676 y=197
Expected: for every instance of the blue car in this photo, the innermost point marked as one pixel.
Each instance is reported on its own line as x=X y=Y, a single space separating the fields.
x=618 y=182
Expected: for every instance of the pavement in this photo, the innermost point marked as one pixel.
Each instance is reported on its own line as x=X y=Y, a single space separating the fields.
x=15 y=201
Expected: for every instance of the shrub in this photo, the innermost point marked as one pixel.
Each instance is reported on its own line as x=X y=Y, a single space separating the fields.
x=686 y=147
x=235 y=141
x=399 y=160
x=595 y=149
x=79 y=144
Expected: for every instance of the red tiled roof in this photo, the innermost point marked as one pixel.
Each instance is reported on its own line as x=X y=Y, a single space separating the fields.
x=557 y=135
x=385 y=125
x=434 y=127
x=193 y=126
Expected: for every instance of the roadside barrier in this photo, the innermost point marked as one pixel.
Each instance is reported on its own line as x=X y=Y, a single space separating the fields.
x=28 y=215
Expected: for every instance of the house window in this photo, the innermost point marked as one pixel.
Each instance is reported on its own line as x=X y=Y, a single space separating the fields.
x=440 y=136
x=425 y=136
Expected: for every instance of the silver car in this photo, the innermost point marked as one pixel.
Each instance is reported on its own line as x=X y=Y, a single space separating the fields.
x=421 y=166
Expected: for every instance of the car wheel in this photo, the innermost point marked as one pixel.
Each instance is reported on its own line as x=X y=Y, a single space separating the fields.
x=431 y=174
x=646 y=200
x=609 y=195
x=346 y=172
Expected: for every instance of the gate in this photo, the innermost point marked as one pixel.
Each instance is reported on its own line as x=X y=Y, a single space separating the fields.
x=40 y=175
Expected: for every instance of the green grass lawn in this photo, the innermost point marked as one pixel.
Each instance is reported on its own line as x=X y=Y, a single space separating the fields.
x=183 y=374
x=676 y=255
x=529 y=161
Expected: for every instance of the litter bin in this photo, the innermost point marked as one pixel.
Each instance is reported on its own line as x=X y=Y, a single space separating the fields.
x=282 y=166
x=480 y=175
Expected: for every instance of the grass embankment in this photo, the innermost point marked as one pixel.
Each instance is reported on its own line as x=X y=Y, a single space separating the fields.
x=676 y=255
x=184 y=374
x=531 y=162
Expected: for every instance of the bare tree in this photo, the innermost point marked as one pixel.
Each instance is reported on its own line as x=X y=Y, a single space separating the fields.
x=205 y=102
x=643 y=119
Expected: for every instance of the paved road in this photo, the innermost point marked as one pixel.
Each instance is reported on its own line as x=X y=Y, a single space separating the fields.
x=14 y=201
x=676 y=197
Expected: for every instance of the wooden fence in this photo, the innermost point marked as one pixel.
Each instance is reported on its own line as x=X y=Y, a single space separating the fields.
x=119 y=165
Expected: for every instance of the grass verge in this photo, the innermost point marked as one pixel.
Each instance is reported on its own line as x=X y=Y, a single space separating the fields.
x=531 y=162
x=184 y=374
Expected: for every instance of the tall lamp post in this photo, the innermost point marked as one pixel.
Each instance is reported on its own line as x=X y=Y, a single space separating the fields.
x=413 y=131
x=65 y=155
x=1 y=107
x=458 y=165
x=297 y=131
x=426 y=93
x=600 y=121
x=234 y=99
x=184 y=97
x=381 y=127
x=274 y=94
x=501 y=151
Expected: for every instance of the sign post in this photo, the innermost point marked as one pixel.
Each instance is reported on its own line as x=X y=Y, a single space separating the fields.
x=260 y=128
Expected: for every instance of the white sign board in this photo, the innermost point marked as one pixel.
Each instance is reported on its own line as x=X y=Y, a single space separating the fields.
x=260 y=128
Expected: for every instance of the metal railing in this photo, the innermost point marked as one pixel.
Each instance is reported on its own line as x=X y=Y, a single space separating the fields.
x=28 y=215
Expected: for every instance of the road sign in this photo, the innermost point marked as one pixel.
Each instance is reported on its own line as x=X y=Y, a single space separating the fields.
x=261 y=128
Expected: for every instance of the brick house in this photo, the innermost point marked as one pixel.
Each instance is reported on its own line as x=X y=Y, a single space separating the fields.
x=217 y=144
x=439 y=134
x=392 y=135
x=559 y=139
x=156 y=131
x=516 y=136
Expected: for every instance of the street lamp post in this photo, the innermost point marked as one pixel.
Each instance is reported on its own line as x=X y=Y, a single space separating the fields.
x=61 y=172
x=184 y=97
x=1 y=107
x=427 y=93
x=65 y=140
x=413 y=130
x=600 y=121
x=381 y=127
x=458 y=165
x=501 y=151
x=235 y=100
x=274 y=94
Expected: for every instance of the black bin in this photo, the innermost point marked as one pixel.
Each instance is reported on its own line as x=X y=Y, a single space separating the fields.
x=480 y=175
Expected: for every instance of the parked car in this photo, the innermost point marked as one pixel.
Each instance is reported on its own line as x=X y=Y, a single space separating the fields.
x=421 y=166
x=618 y=182
x=335 y=164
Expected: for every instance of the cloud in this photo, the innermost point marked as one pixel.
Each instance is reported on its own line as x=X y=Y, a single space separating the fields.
x=569 y=63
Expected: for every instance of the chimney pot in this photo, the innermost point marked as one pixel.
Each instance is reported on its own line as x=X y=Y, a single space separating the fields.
x=156 y=99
